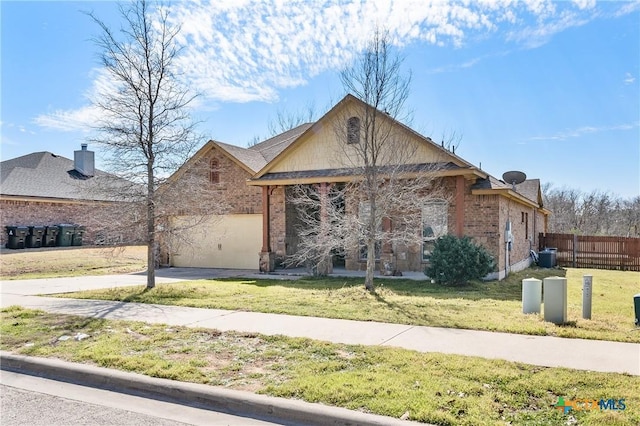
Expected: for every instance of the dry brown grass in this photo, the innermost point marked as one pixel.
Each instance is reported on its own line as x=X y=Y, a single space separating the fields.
x=71 y=261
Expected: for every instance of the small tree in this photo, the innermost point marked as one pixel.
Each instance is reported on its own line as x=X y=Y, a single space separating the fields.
x=144 y=121
x=380 y=203
x=455 y=261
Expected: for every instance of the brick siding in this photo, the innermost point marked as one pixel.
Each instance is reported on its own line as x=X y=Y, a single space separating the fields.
x=96 y=217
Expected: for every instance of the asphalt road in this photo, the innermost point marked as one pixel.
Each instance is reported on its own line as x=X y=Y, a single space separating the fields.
x=33 y=401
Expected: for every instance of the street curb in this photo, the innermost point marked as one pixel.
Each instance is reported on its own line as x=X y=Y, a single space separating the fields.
x=240 y=403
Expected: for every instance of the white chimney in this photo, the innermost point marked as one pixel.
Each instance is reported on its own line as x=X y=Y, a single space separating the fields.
x=84 y=161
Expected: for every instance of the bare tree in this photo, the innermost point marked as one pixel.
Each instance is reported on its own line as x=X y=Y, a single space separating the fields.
x=381 y=204
x=288 y=120
x=144 y=120
x=591 y=213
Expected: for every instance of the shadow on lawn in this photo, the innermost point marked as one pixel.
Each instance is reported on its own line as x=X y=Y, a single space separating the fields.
x=509 y=289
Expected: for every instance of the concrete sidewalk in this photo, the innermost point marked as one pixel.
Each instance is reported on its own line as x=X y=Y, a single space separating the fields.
x=545 y=351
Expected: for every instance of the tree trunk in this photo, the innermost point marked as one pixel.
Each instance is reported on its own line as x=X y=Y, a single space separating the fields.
x=151 y=230
x=371 y=265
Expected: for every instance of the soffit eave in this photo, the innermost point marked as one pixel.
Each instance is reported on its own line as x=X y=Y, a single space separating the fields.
x=467 y=173
x=508 y=193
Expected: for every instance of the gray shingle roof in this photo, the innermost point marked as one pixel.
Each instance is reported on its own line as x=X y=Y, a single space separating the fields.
x=252 y=159
x=257 y=156
x=270 y=148
x=490 y=183
x=47 y=175
x=528 y=189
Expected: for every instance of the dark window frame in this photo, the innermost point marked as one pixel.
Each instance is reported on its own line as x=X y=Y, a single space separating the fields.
x=214 y=171
x=353 y=130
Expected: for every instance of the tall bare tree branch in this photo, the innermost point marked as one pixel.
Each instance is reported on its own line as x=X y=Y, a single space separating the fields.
x=144 y=121
x=381 y=204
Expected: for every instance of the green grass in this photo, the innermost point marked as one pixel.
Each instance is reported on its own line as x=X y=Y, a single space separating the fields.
x=433 y=388
x=492 y=306
x=71 y=262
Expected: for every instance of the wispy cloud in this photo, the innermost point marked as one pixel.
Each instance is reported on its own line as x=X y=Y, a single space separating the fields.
x=628 y=78
x=468 y=64
x=244 y=51
x=585 y=130
x=68 y=120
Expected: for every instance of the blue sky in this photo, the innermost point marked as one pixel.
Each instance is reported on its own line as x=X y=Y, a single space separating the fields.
x=549 y=88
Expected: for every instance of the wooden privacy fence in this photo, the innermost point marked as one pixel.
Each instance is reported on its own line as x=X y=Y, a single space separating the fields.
x=585 y=251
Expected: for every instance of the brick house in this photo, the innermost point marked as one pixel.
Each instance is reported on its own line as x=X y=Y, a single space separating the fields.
x=43 y=188
x=260 y=226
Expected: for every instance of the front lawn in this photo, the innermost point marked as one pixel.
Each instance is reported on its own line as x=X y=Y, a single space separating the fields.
x=427 y=387
x=71 y=261
x=493 y=306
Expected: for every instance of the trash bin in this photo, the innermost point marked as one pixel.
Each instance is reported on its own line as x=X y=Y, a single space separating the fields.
x=65 y=235
x=77 y=236
x=50 y=235
x=34 y=239
x=547 y=258
x=531 y=296
x=636 y=305
x=16 y=236
x=555 y=299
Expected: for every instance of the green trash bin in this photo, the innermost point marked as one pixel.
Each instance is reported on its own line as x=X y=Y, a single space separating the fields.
x=77 y=236
x=50 y=236
x=34 y=239
x=636 y=307
x=16 y=236
x=65 y=235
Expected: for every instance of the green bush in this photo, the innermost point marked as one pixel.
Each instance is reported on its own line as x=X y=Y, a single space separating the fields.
x=455 y=261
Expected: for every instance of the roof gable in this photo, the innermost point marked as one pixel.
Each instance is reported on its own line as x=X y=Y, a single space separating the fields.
x=319 y=146
x=530 y=188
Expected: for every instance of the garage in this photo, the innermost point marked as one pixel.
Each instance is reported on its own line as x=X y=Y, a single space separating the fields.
x=230 y=241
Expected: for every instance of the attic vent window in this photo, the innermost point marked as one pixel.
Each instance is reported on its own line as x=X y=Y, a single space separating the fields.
x=214 y=171
x=353 y=130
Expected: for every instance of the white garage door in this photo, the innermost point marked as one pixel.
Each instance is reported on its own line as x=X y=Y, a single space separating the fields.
x=229 y=241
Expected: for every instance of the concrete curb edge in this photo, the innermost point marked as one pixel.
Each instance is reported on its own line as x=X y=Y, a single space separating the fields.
x=230 y=401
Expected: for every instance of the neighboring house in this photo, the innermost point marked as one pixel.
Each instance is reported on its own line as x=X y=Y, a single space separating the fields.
x=46 y=189
x=259 y=231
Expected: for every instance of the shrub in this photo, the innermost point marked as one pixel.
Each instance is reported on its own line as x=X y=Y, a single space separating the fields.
x=455 y=261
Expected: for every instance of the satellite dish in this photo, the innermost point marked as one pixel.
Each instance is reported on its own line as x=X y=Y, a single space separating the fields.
x=514 y=177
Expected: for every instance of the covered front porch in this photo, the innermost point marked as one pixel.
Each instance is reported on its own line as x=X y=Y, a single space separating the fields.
x=281 y=224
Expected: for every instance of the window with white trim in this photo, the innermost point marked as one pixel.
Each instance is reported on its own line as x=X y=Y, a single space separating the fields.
x=434 y=225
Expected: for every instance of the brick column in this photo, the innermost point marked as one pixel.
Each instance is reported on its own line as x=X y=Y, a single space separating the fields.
x=265 y=219
x=459 y=206
x=267 y=257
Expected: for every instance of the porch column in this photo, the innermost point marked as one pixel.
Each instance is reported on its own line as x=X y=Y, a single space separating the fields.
x=459 y=206
x=267 y=257
x=265 y=219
